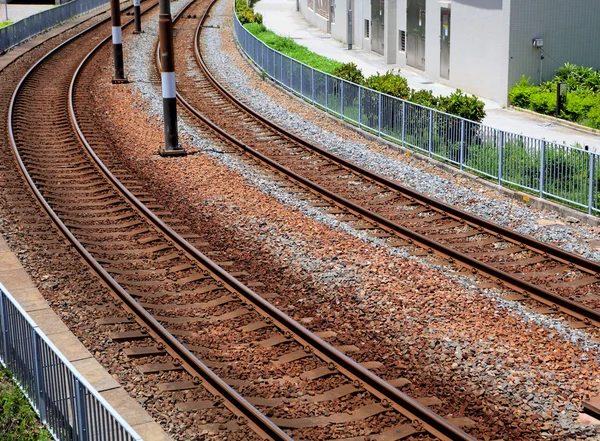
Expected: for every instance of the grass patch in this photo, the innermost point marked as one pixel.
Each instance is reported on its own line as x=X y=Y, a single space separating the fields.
x=18 y=421
x=292 y=49
x=3 y=24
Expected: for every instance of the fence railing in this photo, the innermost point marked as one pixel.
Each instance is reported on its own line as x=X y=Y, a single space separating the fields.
x=547 y=169
x=65 y=401
x=34 y=24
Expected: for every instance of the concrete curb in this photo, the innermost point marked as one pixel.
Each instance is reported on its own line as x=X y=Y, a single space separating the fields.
x=558 y=121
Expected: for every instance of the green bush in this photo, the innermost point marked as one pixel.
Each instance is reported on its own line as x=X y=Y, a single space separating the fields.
x=349 y=72
x=577 y=105
x=463 y=105
x=425 y=98
x=18 y=421
x=520 y=95
x=246 y=14
x=390 y=83
x=582 y=100
x=543 y=102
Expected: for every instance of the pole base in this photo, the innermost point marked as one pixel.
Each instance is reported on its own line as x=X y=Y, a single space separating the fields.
x=120 y=81
x=168 y=153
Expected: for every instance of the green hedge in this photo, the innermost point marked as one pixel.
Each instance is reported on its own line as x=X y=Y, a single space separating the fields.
x=582 y=103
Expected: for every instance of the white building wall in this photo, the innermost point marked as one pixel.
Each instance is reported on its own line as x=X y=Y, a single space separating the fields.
x=479 y=47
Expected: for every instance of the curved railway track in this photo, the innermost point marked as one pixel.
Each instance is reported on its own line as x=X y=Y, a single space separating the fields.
x=561 y=281
x=186 y=316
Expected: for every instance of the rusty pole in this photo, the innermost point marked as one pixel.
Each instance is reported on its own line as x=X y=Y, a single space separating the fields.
x=167 y=64
x=117 y=39
x=137 y=17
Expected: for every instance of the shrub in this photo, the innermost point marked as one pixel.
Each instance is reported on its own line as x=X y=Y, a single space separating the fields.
x=390 y=83
x=543 y=102
x=349 y=72
x=520 y=95
x=463 y=105
x=577 y=105
x=425 y=98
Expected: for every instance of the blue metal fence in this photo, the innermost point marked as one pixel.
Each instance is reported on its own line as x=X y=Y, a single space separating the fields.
x=72 y=409
x=550 y=170
x=34 y=24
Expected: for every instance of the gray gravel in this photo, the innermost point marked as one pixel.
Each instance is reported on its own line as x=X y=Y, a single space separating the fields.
x=290 y=248
x=518 y=217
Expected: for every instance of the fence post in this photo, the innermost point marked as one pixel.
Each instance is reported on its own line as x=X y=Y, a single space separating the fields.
x=542 y=168
x=292 y=74
x=327 y=93
x=80 y=406
x=281 y=69
x=500 y=154
x=403 y=120
x=39 y=376
x=4 y=328
x=342 y=98
x=430 y=140
x=462 y=143
x=379 y=106
x=301 y=82
x=312 y=82
x=591 y=188
x=359 y=105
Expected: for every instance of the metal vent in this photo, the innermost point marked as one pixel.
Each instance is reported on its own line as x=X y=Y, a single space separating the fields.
x=367 y=29
x=402 y=40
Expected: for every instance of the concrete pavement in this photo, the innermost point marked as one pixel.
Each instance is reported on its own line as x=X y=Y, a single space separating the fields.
x=19 y=12
x=281 y=17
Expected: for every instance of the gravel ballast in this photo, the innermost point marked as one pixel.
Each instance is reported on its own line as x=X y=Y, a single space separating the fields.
x=521 y=374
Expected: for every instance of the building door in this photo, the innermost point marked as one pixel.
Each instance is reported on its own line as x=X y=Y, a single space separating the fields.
x=377 y=28
x=415 y=39
x=445 y=44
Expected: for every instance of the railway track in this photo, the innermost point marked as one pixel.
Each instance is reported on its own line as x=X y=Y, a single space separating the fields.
x=185 y=317
x=561 y=281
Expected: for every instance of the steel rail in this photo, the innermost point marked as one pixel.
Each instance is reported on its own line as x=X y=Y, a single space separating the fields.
x=234 y=401
x=379 y=387
x=540 y=294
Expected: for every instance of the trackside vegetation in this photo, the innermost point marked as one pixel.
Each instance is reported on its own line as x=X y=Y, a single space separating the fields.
x=18 y=421
x=582 y=103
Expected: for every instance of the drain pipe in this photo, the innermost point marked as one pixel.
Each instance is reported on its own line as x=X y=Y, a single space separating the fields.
x=349 y=25
x=167 y=65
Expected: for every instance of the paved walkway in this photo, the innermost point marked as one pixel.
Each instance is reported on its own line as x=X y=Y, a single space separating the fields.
x=281 y=17
x=19 y=12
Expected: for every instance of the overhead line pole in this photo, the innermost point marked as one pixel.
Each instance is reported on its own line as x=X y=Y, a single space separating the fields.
x=167 y=64
x=117 y=39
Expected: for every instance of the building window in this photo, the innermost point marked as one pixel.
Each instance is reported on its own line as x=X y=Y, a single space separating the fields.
x=402 y=40
x=367 y=33
x=310 y=4
x=322 y=8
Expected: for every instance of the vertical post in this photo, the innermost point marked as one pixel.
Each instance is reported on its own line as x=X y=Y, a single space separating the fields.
x=430 y=137
x=4 y=328
x=379 y=107
x=137 y=17
x=500 y=155
x=297 y=5
x=302 y=80
x=591 y=187
x=117 y=39
x=542 y=168
x=403 y=119
x=80 y=407
x=349 y=37
x=6 y=9
x=342 y=98
x=327 y=93
x=359 y=106
x=167 y=64
x=312 y=82
x=39 y=376
x=462 y=143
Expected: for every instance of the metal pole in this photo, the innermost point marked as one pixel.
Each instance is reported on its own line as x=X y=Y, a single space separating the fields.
x=137 y=17
x=6 y=9
x=462 y=143
x=542 y=168
x=117 y=39
x=39 y=376
x=500 y=154
x=349 y=25
x=297 y=5
x=167 y=64
x=430 y=140
x=4 y=329
x=591 y=185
